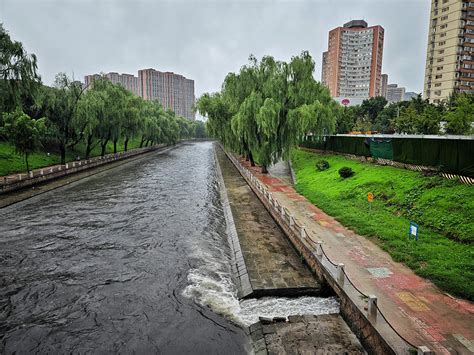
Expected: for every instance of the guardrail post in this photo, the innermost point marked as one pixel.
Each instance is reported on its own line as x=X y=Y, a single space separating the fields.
x=372 y=308
x=303 y=234
x=292 y=221
x=41 y=172
x=19 y=177
x=50 y=170
x=59 y=168
x=67 y=166
x=282 y=212
x=319 y=250
x=31 y=174
x=73 y=164
x=340 y=274
x=424 y=350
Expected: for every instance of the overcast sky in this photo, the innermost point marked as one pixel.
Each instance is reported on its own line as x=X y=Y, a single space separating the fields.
x=204 y=40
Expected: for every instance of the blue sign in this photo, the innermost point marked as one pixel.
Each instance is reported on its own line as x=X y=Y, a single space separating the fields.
x=413 y=231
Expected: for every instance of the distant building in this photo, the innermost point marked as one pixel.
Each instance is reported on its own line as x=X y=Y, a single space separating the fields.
x=395 y=93
x=450 y=54
x=89 y=79
x=410 y=95
x=323 y=71
x=352 y=64
x=172 y=90
x=383 y=85
x=128 y=81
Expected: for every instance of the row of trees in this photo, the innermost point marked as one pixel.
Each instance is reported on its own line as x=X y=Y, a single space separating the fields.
x=61 y=116
x=264 y=109
x=417 y=116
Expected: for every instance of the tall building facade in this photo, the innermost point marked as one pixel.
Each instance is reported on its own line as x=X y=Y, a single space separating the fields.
x=450 y=55
x=383 y=85
x=174 y=91
x=128 y=81
x=395 y=93
x=352 y=65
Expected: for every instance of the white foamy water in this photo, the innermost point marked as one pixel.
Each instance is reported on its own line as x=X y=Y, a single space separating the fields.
x=217 y=291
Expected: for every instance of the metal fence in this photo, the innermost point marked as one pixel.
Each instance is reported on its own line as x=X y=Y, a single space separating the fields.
x=336 y=270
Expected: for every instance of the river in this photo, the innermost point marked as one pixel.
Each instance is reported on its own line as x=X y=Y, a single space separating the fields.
x=134 y=259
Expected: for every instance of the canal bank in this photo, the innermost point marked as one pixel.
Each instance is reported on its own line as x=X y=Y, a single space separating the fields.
x=50 y=178
x=380 y=299
x=264 y=263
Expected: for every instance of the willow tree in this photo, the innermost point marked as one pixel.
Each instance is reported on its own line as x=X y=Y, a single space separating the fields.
x=268 y=106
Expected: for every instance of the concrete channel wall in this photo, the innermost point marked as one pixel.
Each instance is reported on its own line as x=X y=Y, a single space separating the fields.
x=21 y=180
x=361 y=313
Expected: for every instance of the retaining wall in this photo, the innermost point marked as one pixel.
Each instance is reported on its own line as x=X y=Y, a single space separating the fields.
x=20 y=181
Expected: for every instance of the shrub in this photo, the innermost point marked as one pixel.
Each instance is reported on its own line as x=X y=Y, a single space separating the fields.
x=322 y=165
x=346 y=172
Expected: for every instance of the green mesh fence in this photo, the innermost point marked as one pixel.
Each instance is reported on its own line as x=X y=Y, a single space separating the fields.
x=455 y=156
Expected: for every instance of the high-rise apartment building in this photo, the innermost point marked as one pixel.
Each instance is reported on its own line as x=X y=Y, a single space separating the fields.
x=174 y=91
x=450 y=55
x=352 y=66
x=395 y=93
x=383 y=85
x=128 y=81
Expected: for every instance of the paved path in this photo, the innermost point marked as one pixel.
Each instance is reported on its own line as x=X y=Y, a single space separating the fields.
x=272 y=264
x=414 y=306
x=324 y=334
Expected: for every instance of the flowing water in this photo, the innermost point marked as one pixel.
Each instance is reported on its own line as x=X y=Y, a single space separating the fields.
x=134 y=259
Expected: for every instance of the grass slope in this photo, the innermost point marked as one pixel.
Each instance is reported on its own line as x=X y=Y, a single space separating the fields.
x=11 y=163
x=443 y=209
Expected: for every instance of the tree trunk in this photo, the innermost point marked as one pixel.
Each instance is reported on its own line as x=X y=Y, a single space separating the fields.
x=125 y=144
x=62 y=149
x=26 y=160
x=252 y=162
x=142 y=141
x=264 y=169
x=88 y=146
x=115 y=146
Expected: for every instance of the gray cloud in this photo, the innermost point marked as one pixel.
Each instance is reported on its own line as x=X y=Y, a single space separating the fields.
x=204 y=40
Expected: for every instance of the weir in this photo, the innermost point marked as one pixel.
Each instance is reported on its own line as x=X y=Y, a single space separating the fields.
x=266 y=264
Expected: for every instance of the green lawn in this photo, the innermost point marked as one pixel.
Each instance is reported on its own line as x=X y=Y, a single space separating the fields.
x=443 y=209
x=11 y=163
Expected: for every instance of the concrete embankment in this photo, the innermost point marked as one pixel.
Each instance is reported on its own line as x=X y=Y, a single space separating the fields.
x=266 y=264
x=25 y=187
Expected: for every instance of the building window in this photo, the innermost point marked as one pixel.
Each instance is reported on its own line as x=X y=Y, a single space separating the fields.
x=442 y=43
x=439 y=68
x=441 y=51
x=445 y=9
x=437 y=84
x=444 y=18
x=440 y=60
x=439 y=76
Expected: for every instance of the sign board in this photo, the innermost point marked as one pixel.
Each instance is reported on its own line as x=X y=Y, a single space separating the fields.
x=413 y=231
x=345 y=102
x=370 y=196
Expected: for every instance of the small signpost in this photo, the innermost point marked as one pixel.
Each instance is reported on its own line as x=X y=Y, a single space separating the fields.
x=413 y=231
x=370 y=198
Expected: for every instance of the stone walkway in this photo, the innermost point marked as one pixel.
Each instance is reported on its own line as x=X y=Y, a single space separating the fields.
x=415 y=307
x=272 y=264
x=324 y=334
